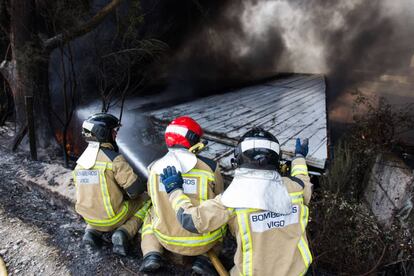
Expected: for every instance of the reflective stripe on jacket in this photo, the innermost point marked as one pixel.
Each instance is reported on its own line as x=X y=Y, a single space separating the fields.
x=260 y=233
x=99 y=196
x=267 y=243
x=200 y=184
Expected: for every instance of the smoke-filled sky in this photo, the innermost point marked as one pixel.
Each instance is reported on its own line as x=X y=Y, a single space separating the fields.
x=349 y=41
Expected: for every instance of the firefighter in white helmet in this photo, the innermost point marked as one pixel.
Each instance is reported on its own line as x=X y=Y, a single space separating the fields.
x=266 y=213
x=201 y=181
x=109 y=195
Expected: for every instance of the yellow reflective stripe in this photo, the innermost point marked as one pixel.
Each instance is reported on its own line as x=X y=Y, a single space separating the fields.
x=304 y=217
x=246 y=237
x=99 y=165
x=152 y=191
x=178 y=201
x=296 y=197
x=247 y=210
x=143 y=210
x=74 y=178
x=305 y=252
x=105 y=195
x=191 y=241
x=203 y=189
x=203 y=177
x=299 y=166
x=147 y=227
x=103 y=165
x=296 y=193
x=201 y=186
x=299 y=169
x=147 y=231
x=210 y=176
x=300 y=201
x=112 y=221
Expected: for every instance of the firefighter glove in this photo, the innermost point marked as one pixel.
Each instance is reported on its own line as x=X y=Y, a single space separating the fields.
x=171 y=179
x=302 y=148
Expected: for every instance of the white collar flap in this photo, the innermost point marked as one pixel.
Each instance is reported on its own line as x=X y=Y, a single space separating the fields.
x=181 y=159
x=88 y=158
x=258 y=189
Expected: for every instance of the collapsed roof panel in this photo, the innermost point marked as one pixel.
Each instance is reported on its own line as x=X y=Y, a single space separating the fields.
x=291 y=107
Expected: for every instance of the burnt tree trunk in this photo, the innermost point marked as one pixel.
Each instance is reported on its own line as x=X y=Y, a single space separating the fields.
x=28 y=70
x=18 y=76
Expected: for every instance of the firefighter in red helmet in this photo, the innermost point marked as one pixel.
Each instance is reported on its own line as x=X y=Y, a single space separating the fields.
x=202 y=181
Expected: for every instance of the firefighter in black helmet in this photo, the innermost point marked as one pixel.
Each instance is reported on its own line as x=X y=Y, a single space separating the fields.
x=267 y=213
x=109 y=195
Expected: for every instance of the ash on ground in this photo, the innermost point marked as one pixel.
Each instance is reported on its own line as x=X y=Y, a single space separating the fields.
x=41 y=233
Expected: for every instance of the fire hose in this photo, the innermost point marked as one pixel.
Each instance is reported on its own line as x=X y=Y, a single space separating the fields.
x=221 y=270
x=3 y=269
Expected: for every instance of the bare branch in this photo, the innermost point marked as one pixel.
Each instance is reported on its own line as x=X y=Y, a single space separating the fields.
x=6 y=69
x=64 y=37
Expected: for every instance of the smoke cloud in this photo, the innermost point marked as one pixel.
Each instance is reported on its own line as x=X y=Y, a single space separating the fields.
x=348 y=41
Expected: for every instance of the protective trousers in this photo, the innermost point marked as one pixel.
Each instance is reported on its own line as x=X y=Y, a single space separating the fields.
x=132 y=221
x=149 y=242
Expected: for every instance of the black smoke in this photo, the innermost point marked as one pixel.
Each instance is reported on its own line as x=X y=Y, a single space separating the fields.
x=369 y=42
x=205 y=38
x=360 y=40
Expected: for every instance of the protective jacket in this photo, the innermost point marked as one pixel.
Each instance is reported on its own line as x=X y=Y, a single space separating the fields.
x=202 y=182
x=268 y=243
x=100 y=192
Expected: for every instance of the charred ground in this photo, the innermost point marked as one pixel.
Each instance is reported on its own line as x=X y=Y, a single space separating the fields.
x=41 y=233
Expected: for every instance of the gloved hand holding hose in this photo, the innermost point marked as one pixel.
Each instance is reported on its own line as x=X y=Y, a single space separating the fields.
x=302 y=148
x=171 y=179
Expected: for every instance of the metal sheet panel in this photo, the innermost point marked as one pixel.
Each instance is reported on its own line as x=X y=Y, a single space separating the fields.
x=290 y=107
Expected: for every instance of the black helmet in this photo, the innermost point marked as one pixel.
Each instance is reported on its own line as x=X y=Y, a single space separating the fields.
x=258 y=149
x=98 y=127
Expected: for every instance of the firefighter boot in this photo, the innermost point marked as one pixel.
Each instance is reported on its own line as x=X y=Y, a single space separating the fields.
x=120 y=242
x=203 y=266
x=151 y=262
x=92 y=238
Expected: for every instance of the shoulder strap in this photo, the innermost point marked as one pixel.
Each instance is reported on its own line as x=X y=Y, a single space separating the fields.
x=110 y=153
x=212 y=164
x=297 y=180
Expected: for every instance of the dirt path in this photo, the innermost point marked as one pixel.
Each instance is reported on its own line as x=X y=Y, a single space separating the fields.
x=26 y=250
x=41 y=234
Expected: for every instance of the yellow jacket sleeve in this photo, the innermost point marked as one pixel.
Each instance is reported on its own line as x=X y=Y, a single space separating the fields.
x=126 y=178
x=208 y=216
x=299 y=169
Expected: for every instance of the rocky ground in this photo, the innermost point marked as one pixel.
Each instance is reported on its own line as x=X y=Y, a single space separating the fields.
x=41 y=234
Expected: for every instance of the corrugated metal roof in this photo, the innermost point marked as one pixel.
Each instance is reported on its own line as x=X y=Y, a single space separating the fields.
x=291 y=107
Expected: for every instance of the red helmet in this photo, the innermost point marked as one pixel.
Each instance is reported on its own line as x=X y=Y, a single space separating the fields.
x=183 y=131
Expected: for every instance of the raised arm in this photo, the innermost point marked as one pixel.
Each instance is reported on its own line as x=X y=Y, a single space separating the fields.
x=299 y=169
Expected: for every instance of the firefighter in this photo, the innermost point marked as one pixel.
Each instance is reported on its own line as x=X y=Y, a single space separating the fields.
x=266 y=213
x=201 y=181
x=109 y=195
